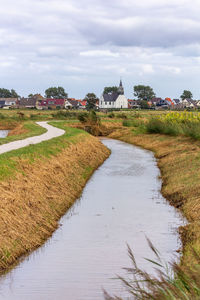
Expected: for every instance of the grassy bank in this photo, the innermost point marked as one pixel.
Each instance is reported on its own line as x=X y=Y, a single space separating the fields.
x=38 y=184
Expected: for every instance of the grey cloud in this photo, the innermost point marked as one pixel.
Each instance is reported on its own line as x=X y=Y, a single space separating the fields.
x=90 y=43
x=149 y=32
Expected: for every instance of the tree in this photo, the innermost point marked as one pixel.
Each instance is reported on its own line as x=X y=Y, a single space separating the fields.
x=30 y=95
x=143 y=92
x=5 y=93
x=91 y=99
x=110 y=89
x=56 y=92
x=144 y=104
x=14 y=94
x=186 y=95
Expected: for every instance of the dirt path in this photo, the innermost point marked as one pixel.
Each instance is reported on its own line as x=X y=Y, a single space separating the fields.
x=52 y=132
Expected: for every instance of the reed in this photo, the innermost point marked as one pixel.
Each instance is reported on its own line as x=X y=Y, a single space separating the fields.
x=170 y=282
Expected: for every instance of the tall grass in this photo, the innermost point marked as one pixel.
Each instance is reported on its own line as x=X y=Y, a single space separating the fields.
x=190 y=128
x=181 y=283
x=132 y=123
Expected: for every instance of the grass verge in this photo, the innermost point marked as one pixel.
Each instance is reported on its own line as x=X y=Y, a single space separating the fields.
x=20 y=130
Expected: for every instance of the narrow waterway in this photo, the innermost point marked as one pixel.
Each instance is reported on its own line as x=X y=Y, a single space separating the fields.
x=120 y=204
x=3 y=133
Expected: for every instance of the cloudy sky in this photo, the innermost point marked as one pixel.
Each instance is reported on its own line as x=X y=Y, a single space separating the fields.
x=88 y=44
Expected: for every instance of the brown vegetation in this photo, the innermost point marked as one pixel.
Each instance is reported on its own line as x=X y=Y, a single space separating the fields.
x=8 y=125
x=32 y=203
x=99 y=129
x=179 y=162
x=17 y=130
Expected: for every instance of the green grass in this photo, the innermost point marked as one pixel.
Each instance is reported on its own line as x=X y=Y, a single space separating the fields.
x=32 y=130
x=10 y=161
x=188 y=128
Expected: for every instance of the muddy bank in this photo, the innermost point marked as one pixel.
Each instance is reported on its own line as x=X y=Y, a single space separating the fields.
x=179 y=163
x=14 y=127
x=32 y=203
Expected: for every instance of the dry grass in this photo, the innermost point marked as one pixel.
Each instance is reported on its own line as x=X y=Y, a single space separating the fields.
x=32 y=203
x=18 y=130
x=179 y=162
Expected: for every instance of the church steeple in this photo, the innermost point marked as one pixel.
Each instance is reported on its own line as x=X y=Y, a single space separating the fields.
x=120 y=88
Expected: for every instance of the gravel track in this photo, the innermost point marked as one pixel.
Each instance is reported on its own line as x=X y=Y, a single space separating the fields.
x=52 y=132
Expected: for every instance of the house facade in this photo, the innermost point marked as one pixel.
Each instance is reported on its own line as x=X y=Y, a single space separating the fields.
x=30 y=102
x=8 y=102
x=49 y=103
x=114 y=100
x=133 y=104
x=189 y=103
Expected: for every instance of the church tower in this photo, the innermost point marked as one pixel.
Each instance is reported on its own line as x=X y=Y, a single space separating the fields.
x=120 y=88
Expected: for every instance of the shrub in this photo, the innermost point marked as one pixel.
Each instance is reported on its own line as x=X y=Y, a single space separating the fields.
x=62 y=114
x=158 y=126
x=2 y=116
x=122 y=116
x=192 y=130
x=132 y=123
x=93 y=117
x=82 y=117
x=33 y=116
x=111 y=115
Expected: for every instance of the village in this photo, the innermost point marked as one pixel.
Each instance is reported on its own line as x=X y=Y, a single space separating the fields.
x=111 y=99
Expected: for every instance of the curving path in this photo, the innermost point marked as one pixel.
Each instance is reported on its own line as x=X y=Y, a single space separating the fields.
x=52 y=132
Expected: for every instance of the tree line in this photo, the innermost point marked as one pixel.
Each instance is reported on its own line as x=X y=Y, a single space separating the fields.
x=142 y=92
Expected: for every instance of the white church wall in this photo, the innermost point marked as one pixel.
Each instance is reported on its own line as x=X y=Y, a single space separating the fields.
x=121 y=102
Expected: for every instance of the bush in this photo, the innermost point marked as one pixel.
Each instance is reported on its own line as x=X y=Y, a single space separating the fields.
x=2 y=116
x=111 y=115
x=33 y=116
x=82 y=117
x=122 y=116
x=192 y=130
x=158 y=126
x=132 y=123
x=62 y=114
x=93 y=118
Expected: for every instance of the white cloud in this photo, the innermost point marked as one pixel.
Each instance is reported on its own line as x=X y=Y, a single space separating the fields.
x=99 y=53
x=171 y=69
x=147 y=69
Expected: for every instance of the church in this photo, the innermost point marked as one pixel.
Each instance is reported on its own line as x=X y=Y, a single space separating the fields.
x=114 y=100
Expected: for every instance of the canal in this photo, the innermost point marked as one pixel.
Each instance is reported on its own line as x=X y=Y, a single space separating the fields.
x=120 y=204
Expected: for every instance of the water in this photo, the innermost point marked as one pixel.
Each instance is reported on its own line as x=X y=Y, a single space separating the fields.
x=4 y=133
x=120 y=204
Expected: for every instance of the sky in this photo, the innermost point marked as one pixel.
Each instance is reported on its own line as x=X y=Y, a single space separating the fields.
x=89 y=44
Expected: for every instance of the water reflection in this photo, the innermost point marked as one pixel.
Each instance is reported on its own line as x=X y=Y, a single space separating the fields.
x=4 y=133
x=120 y=204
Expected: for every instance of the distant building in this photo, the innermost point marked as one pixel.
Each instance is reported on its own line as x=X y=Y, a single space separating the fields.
x=72 y=103
x=176 y=101
x=30 y=102
x=189 y=103
x=133 y=103
x=49 y=103
x=114 y=100
x=8 y=102
x=27 y=102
